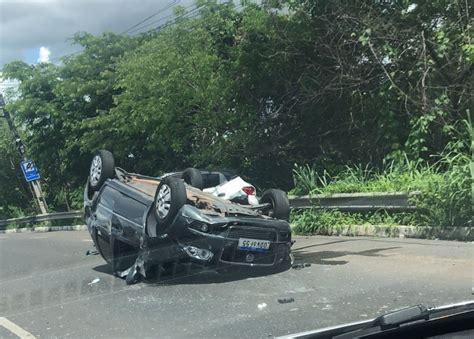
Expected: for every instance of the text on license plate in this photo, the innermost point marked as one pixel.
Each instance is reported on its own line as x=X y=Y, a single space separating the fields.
x=253 y=245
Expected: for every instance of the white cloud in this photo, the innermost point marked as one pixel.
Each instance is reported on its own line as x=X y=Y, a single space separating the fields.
x=44 y=54
x=26 y=24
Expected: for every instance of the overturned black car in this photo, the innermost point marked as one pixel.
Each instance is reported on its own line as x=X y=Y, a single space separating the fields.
x=145 y=225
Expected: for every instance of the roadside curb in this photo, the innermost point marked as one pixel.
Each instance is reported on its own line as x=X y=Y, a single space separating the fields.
x=382 y=231
x=45 y=229
x=385 y=231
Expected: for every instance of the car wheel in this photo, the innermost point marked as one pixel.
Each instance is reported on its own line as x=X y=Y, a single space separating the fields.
x=102 y=168
x=170 y=196
x=193 y=177
x=279 y=204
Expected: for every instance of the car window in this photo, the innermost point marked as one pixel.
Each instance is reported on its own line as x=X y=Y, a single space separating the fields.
x=108 y=197
x=211 y=179
x=129 y=208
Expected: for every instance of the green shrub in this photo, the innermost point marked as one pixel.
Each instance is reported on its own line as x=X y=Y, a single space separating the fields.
x=446 y=186
x=315 y=221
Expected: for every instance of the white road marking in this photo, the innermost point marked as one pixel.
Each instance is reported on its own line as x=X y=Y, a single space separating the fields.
x=15 y=329
x=88 y=240
x=38 y=237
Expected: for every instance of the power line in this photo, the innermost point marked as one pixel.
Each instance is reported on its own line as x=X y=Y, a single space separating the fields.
x=186 y=15
x=132 y=29
x=151 y=16
x=189 y=17
x=169 y=16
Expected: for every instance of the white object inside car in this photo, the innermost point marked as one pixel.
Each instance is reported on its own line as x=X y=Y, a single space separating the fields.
x=235 y=189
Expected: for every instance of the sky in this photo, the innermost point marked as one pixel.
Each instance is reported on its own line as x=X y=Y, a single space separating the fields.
x=38 y=30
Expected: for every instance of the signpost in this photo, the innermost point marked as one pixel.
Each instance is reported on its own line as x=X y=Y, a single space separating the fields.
x=29 y=170
x=28 y=167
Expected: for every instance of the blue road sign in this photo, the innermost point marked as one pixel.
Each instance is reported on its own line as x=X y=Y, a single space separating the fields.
x=29 y=170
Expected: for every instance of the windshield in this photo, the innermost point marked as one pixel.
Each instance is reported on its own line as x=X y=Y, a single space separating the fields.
x=203 y=168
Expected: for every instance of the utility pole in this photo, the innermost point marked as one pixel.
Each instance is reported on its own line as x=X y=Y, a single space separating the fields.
x=35 y=182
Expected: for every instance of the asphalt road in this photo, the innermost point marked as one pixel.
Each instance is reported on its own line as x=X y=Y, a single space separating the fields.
x=46 y=289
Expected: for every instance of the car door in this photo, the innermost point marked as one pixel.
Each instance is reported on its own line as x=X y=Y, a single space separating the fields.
x=126 y=230
x=128 y=219
x=103 y=216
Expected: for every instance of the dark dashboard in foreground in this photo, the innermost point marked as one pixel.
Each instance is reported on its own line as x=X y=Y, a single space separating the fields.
x=451 y=321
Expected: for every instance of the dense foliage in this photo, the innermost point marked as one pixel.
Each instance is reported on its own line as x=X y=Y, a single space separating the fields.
x=444 y=192
x=13 y=189
x=258 y=89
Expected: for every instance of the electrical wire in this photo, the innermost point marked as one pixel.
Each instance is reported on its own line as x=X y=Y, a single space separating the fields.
x=191 y=14
x=151 y=16
x=185 y=14
x=196 y=15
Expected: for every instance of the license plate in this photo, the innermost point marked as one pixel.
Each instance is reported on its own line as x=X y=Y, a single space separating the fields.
x=253 y=245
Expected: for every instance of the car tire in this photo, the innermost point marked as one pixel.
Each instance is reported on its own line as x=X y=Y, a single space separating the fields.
x=193 y=177
x=170 y=196
x=102 y=168
x=280 y=206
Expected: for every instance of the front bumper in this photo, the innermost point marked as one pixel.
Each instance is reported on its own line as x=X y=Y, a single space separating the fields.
x=225 y=246
x=222 y=238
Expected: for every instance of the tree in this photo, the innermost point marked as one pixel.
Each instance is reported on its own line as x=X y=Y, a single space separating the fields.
x=256 y=89
x=56 y=106
x=15 y=198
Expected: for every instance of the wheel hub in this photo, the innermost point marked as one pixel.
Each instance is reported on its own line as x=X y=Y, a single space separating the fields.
x=96 y=170
x=163 y=201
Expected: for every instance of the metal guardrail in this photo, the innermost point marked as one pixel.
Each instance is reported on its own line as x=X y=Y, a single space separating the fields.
x=43 y=217
x=392 y=201
x=373 y=201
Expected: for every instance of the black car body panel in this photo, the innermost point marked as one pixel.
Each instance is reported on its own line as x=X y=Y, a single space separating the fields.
x=206 y=230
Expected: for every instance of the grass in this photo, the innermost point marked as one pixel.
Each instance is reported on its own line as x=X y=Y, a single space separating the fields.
x=334 y=221
x=403 y=176
x=446 y=186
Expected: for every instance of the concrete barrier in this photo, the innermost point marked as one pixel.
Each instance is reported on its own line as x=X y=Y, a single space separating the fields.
x=387 y=231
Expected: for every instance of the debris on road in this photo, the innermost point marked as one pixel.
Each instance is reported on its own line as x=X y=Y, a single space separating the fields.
x=95 y=281
x=300 y=265
x=286 y=300
x=261 y=306
x=92 y=252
